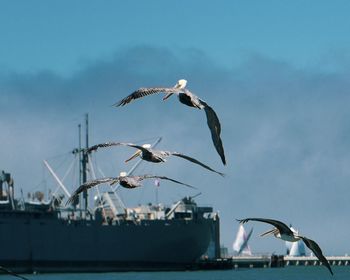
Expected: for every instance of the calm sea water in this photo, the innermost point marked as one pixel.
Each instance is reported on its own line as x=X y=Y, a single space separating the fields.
x=287 y=273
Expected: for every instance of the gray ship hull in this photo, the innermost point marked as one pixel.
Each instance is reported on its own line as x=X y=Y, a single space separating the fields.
x=43 y=242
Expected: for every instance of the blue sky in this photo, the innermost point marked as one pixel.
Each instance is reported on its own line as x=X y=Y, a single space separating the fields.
x=276 y=72
x=62 y=36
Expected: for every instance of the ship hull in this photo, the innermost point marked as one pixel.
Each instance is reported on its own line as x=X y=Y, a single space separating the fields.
x=43 y=242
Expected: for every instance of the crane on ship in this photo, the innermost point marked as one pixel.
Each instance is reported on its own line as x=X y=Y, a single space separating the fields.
x=87 y=170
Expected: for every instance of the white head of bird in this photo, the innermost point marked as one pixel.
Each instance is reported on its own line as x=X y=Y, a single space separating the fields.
x=123 y=174
x=181 y=84
x=146 y=146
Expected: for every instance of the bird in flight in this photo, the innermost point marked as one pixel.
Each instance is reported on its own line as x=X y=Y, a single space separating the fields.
x=188 y=98
x=129 y=182
x=283 y=232
x=148 y=154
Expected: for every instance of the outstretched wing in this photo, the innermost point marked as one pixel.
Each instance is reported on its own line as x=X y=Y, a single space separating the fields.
x=282 y=227
x=313 y=246
x=103 y=145
x=144 y=92
x=215 y=129
x=7 y=271
x=195 y=161
x=165 y=178
x=110 y=144
x=91 y=184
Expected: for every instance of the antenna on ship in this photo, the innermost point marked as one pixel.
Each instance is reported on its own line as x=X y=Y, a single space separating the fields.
x=84 y=159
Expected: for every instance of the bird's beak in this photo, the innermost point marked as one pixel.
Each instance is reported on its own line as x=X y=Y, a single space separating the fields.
x=168 y=95
x=133 y=156
x=114 y=182
x=272 y=231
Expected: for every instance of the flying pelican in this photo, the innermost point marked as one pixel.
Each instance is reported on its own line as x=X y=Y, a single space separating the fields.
x=283 y=232
x=129 y=182
x=7 y=271
x=188 y=98
x=147 y=153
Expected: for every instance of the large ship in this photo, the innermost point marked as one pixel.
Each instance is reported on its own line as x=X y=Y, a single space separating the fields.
x=48 y=236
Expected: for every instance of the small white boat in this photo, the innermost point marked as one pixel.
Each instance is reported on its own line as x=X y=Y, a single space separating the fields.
x=240 y=245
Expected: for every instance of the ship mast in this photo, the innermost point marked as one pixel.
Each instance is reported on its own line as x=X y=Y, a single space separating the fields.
x=85 y=161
